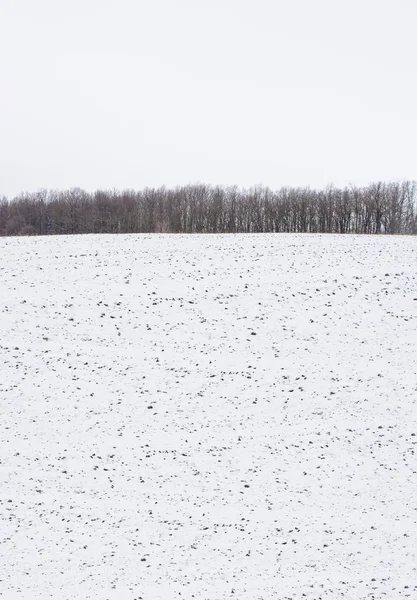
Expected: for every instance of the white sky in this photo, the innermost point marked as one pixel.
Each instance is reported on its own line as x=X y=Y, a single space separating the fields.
x=128 y=93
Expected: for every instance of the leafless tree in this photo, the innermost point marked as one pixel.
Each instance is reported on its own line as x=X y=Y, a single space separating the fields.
x=377 y=208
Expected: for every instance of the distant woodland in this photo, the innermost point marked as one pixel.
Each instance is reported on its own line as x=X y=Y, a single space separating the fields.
x=379 y=208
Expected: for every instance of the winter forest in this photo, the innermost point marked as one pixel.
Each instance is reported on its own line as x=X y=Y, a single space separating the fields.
x=389 y=208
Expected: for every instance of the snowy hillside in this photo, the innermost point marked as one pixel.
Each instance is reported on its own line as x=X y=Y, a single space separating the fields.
x=208 y=417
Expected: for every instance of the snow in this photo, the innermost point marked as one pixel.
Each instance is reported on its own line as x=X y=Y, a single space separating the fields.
x=209 y=417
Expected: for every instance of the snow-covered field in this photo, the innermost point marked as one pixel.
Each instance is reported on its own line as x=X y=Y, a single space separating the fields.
x=208 y=417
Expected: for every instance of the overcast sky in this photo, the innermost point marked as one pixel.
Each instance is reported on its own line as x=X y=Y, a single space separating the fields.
x=135 y=93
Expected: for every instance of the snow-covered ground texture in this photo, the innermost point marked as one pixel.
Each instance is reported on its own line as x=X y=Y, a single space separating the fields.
x=208 y=417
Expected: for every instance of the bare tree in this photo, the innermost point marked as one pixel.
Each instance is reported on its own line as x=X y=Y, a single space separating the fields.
x=378 y=208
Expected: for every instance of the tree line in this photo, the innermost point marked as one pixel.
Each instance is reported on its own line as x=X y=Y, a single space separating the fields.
x=380 y=207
